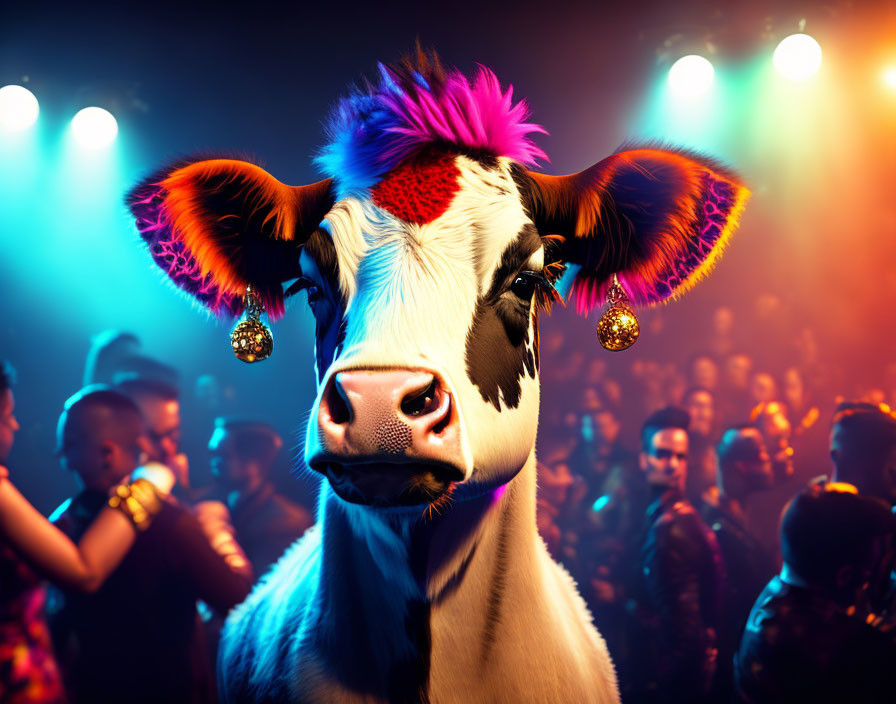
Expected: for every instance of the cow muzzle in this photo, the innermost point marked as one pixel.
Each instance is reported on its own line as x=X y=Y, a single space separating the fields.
x=388 y=437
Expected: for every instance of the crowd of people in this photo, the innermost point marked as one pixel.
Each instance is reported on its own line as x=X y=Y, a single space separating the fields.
x=142 y=565
x=728 y=522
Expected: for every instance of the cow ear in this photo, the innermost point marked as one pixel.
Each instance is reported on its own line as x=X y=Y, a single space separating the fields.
x=657 y=218
x=216 y=225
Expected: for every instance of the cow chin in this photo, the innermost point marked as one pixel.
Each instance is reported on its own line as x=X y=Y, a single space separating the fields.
x=387 y=483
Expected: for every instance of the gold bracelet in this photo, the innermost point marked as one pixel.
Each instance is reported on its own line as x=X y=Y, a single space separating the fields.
x=138 y=501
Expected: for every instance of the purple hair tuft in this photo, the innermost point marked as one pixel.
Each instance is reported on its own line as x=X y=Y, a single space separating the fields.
x=372 y=131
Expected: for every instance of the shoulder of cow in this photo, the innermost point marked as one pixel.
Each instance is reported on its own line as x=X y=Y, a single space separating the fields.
x=258 y=636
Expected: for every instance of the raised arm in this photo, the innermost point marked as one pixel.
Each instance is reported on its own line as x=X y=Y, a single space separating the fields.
x=84 y=566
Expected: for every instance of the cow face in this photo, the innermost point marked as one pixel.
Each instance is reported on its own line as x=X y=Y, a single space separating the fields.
x=424 y=257
x=432 y=279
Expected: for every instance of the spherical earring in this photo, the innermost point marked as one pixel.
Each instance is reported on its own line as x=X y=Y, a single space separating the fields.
x=618 y=327
x=251 y=339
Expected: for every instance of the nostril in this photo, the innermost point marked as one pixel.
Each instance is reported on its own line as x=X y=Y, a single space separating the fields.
x=421 y=402
x=337 y=404
x=440 y=426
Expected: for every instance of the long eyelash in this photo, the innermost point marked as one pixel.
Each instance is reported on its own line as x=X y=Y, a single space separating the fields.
x=300 y=284
x=546 y=295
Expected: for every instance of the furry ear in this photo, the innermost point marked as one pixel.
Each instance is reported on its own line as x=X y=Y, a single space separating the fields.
x=216 y=225
x=659 y=219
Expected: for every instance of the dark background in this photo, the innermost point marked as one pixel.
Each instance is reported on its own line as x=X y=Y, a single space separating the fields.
x=259 y=78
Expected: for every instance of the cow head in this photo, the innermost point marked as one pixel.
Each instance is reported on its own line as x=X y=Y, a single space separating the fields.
x=426 y=256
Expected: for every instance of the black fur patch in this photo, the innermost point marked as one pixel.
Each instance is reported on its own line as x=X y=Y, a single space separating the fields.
x=524 y=186
x=498 y=352
x=322 y=250
x=535 y=208
x=536 y=211
x=409 y=681
x=496 y=592
x=485 y=158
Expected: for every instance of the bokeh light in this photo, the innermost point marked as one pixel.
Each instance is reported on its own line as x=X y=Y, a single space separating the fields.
x=798 y=57
x=691 y=76
x=18 y=108
x=94 y=127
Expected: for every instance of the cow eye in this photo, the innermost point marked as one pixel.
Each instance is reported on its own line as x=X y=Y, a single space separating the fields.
x=525 y=283
x=303 y=284
x=314 y=294
x=310 y=287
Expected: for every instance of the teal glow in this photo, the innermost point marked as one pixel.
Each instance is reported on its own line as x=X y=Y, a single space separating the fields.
x=94 y=127
x=717 y=122
x=601 y=503
x=70 y=249
x=691 y=77
x=18 y=108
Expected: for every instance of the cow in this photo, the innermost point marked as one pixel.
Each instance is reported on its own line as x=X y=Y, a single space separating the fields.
x=426 y=254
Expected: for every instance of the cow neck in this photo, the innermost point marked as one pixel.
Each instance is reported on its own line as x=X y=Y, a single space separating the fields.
x=385 y=579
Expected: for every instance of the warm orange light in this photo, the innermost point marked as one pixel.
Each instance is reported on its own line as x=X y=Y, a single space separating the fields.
x=889 y=77
x=842 y=487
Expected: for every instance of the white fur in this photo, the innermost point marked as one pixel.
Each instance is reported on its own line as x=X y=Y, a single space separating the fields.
x=544 y=647
x=346 y=590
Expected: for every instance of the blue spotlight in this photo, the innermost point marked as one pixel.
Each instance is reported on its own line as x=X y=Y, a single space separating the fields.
x=691 y=76
x=18 y=108
x=94 y=127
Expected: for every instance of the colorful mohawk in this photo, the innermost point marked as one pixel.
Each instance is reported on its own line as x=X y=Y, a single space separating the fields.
x=417 y=103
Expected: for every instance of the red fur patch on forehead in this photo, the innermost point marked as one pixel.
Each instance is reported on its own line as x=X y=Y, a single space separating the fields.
x=419 y=189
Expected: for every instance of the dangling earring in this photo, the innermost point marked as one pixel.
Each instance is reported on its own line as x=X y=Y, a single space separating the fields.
x=251 y=339
x=618 y=327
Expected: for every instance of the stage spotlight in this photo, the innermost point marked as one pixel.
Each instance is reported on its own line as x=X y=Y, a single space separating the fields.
x=798 y=57
x=94 y=127
x=691 y=76
x=18 y=108
x=889 y=77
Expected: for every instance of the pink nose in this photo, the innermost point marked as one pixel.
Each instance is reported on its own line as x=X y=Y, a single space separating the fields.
x=369 y=413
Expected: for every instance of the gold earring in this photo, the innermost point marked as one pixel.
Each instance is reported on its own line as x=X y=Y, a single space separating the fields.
x=618 y=327
x=251 y=339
